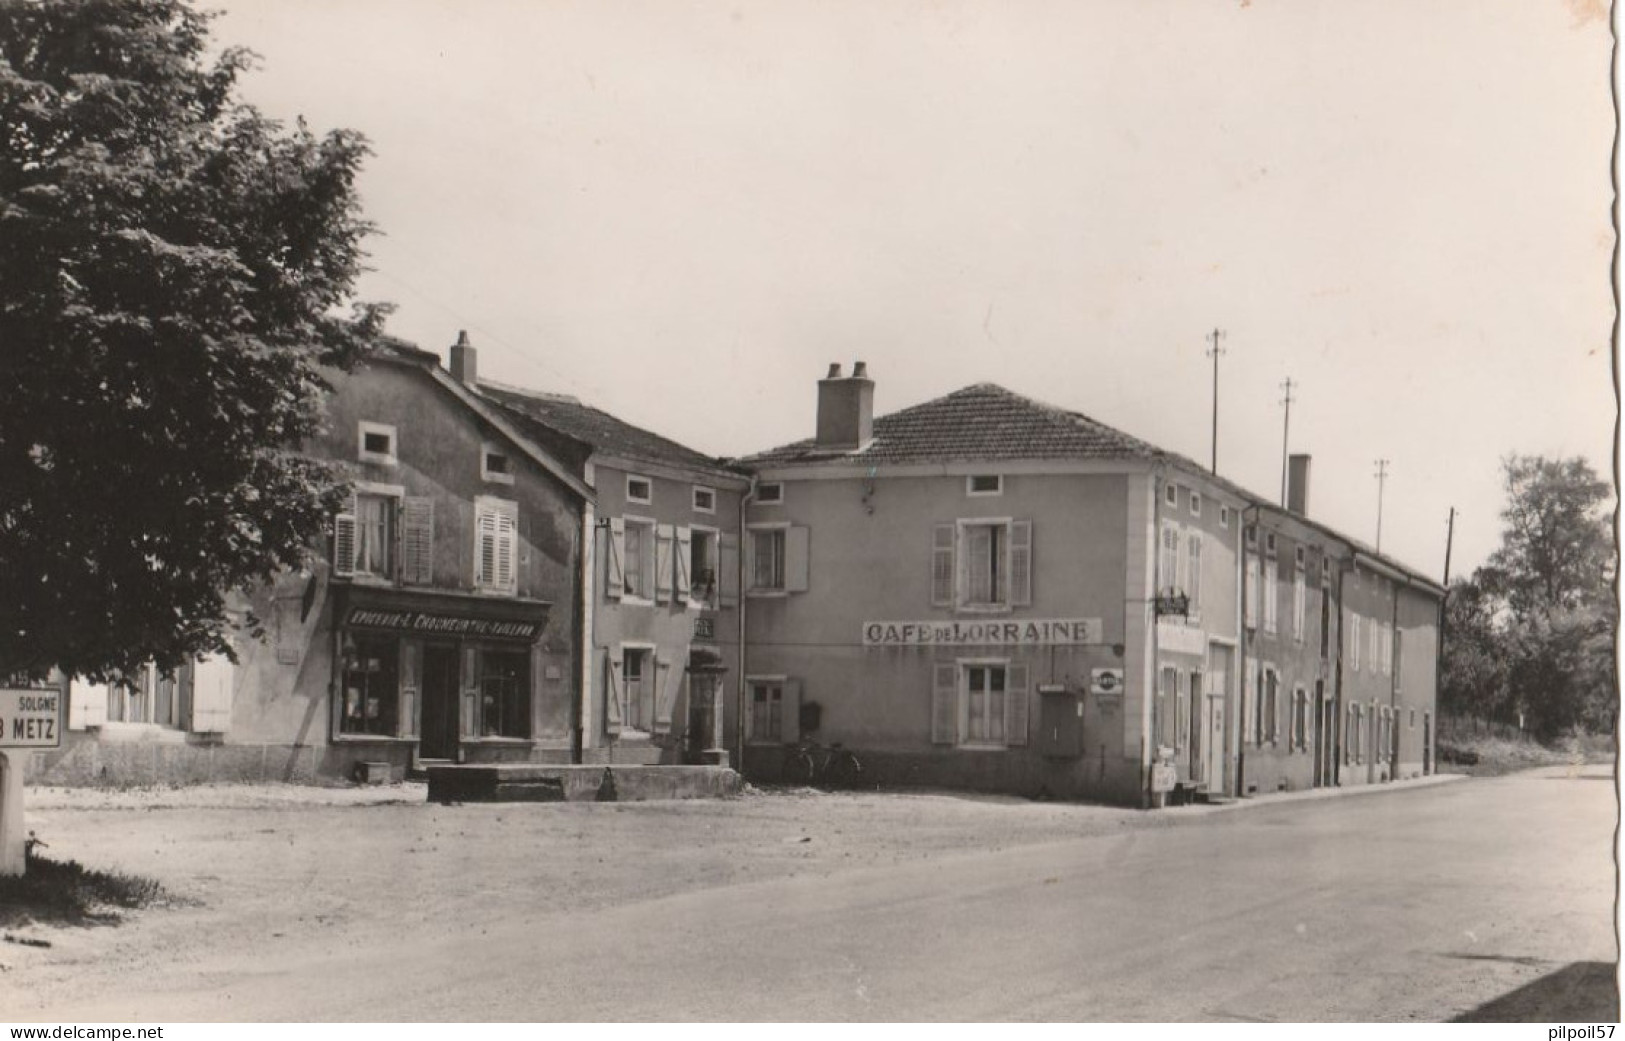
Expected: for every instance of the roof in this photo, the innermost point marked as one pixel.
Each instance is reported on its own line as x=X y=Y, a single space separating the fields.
x=980 y=423
x=604 y=433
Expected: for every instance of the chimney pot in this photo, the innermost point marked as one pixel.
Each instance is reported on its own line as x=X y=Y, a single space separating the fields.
x=846 y=409
x=1297 y=485
x=834 y=371
x=860 y=370
x=464 y=368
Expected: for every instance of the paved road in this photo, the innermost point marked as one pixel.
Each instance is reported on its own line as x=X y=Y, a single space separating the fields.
x=1419 y=904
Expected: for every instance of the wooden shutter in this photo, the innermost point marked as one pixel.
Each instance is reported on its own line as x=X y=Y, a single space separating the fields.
x=685 y=555
x=1193 y=573
x=790 y=712
x=211 y=695
x=942 y=565
x=345 y=538
x=485 y=546
x=668 y=685
x=1253 y=578
x=945 y=703
x=612 y=694
x=417 y=540
x=469 y=721
x=1249 y=701
x=507 y=574
x=411 y=688
x=1021 y=563
x=797 y=541
x=614 y=577
x=663 y=568
x=87 y=704
x=1015 y=705
x=728 y=568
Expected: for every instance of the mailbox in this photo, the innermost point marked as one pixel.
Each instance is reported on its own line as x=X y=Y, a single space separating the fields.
x=1060 y=722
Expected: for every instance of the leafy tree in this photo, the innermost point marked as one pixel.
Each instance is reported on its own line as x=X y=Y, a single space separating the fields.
x=173 y=272
x=1473 y=680
x=1556 y=549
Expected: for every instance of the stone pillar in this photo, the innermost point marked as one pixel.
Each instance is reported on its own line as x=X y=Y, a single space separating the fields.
x=13 y=835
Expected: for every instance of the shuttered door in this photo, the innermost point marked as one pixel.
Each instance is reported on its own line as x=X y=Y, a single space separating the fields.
x=1016 y=704
x=685 y=552
x=945 y=703
x=417 y=540
x=613 y=717
x=1021 y=563
x=664 y=537
x=942 y=565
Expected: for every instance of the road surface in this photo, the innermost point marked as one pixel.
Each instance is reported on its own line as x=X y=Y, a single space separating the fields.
x=1489 y=897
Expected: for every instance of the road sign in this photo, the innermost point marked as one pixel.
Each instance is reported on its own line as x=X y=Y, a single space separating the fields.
x=30 y=718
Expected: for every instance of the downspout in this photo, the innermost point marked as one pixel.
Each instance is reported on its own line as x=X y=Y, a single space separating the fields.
x=576 y=706
x=1241 y=685
x=1148 y=753
x=739 y=605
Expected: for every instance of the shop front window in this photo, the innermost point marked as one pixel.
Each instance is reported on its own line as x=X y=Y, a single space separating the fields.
x=504 y=693
x=371 y=688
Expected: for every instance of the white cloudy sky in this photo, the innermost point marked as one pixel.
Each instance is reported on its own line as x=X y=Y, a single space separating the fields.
x=683 y=211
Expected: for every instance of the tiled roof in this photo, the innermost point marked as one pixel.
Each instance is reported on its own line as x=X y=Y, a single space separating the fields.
x=982 y=422
x=598 y=429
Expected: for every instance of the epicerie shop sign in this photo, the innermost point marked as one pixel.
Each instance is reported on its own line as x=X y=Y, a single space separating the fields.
x=1048 y=632
x=30 y=718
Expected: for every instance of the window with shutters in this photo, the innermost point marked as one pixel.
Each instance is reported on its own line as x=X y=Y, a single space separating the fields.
x=375 y=536
x=702 y=566
x=1168 y=561
x=1354 y=642
x=495 y=466
x=376 y=443
x=1271 y=594
x=995 y=564
x=1325 y=620
x=1254 y=578
x=777 y=559
x=767 y=711
x=637 y=687
x=984 y=705
x=638 y=559
x=1300 y=719
x=371 y=694
x=767 y=559
x=496 y=544
x=503 y=679
x=1300 y=605
x=1193 y=576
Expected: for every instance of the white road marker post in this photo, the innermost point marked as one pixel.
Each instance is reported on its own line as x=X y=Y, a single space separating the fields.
x=30 y=719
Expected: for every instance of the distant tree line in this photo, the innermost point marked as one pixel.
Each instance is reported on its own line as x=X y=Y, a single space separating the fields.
x=1530 y=636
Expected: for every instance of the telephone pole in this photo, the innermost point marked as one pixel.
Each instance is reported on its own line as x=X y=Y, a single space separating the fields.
x=1449 y=537
x=1382 y=479
x=1214 y=352
x=1286 y=425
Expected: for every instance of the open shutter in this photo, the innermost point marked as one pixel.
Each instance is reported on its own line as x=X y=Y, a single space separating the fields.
x=1015 y=706
x=507 y=573
x=944 y=703
x=663 y=569
x=728 y=569
x=1249 y=700
x=1021 y=563
x=796 y=541
x=612 y=694
x=790 y=709
x=417 y=540
x=469 y=717
x=211 y=695
x=942 y=565
x=411 y=686
x=614 y=577
x=685 y=554
x=345 y=538
x=668 y=685
x=87 y=704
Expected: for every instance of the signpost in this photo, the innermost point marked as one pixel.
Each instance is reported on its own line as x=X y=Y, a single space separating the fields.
x=30 y=718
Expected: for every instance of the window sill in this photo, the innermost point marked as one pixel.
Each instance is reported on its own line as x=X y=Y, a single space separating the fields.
x=635 y=601
x=498 y=740
x=984 y=608
x=767 y=594
x=373 y=739
x=494 y=591
x=982 y=746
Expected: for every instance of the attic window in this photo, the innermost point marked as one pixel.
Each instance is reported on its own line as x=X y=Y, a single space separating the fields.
x=639 y=490
x=770 y=494
x=1269 y=543
x=494 y=465
x=1171 y=494
x=1252 y=534
x=1302 y=556
x=984 y=484
x=705 y=500
x=1196 y=504
x=1224 y=516
x=1326 y=566
x=377 y=442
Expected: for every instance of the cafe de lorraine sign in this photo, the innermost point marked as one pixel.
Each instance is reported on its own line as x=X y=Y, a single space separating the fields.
x=1036 y=632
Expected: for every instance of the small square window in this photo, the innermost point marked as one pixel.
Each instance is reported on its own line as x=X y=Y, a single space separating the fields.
x=1325 y=567
x=770 y=494
x=495 y=465
x=1171 y=494
x=1301 y=555
x=1269 y=543
x=1252 y=535
x=705 y=500
x=984 y=484
x=1224 y=516
x=1196 y=504
x=639 y=490
x=377 y=441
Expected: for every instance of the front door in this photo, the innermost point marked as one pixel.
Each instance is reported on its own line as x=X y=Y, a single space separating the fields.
x=1198 y=729
x=1427 y=742
x=439 y=724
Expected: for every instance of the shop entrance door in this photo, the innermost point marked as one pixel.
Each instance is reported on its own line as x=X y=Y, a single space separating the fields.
x=439 y=725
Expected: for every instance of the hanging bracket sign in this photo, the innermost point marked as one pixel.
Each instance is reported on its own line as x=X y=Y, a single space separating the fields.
x=30 y=718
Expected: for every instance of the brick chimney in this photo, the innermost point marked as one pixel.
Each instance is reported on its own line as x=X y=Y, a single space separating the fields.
x=463 y=367
x=846 y=408
x=1297 y=484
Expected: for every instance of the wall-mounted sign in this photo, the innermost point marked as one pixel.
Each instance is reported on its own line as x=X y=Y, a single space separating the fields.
x=30 y=718
x=425 y=623
x=1031 y=633
x=1181 y=639
x=1105 y=681
x=705 y=627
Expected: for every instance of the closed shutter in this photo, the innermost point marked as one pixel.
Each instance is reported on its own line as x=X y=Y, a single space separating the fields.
x=1021 y=563
x=1354 y=641
x=728 y=569
x=507 y=551
x=1252 y=578
x=469 y=717
x=685 y=554
x=1015 y=705
x=346 y=538
x=612 y=694
x=411 y=688
x=797 y=541
x=87 y=704
x=211 y=695
x=614 y=577
x=790 y=712
x=668 y=685
x=1193 y=574
x=663 y=570
x=417 y=540
x=1249 y=701
x=942 y=565
x=945 y=703
x=485 y=546
x=1270 y=594
x=1399 y=662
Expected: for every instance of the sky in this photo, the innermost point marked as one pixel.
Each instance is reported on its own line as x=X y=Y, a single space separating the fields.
x=681 y=211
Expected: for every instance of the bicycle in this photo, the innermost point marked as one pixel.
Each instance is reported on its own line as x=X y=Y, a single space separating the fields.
x=822 y=766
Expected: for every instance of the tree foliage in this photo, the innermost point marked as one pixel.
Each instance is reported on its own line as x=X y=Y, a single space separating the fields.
x=1531 y=636
x=173 y=268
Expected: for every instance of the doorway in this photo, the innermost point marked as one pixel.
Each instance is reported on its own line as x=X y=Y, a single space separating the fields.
x=1323 y=736
x=438 y=739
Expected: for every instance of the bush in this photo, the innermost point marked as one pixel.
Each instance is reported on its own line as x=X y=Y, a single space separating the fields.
x=67 y=893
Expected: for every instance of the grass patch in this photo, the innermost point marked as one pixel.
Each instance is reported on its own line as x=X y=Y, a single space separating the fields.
x=1492 y=756
x=64 y=892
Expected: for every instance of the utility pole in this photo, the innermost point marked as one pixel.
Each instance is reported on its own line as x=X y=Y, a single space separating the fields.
x=1449 y=537
x=1382 y=479
x=1214 y=352
x=1286 y=425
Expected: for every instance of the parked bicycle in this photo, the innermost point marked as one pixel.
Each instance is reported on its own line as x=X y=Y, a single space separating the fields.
x=822 y=766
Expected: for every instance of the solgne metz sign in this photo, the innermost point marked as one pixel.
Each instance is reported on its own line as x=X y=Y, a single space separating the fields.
x=30 y=718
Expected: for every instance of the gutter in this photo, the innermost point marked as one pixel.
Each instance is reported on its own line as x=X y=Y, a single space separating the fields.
x=739 y=601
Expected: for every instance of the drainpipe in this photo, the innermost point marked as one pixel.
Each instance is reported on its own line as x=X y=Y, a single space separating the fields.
x=1241 y=714
x=1149 y=746
x=739 y=605
x=581 y=637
